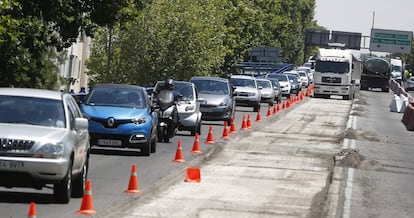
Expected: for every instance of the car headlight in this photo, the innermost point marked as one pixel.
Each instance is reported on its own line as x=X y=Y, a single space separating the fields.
x=50 y=150
x=139 y=120
x=223 y=104
x=189 y=108
x=251 y=94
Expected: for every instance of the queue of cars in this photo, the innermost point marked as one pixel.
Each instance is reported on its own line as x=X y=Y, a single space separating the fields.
x=46 y=136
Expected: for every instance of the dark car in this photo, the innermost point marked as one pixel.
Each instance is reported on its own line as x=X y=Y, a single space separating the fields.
x=217 y=100
x=121 y=116
x=294 y=84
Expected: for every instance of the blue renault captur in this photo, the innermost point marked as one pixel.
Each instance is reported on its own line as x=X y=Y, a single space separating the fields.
x=121 y=116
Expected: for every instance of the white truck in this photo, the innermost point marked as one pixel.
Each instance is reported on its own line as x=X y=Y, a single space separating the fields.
x=397 y=69
x=337 y=72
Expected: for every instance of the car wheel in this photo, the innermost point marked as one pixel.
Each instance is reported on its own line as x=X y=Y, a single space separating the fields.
x=154 y=145
x=256 y=107
x=159 y=134
x=145 y=149
x=62 y=190
x=80 y=182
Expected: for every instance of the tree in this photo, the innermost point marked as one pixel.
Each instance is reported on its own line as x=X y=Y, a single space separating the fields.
x=176 y=39
x=28 y=29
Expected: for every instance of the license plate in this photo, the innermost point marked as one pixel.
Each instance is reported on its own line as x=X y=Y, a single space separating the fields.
x=206 y=109
x=109 y=142
x=11 y=164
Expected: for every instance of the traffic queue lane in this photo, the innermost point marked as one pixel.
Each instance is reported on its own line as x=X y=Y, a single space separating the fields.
x=110 y=169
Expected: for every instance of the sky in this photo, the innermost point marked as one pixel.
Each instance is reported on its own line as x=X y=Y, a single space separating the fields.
x=358 y=15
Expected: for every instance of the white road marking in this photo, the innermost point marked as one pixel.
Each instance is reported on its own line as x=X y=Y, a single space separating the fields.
x=349 y=143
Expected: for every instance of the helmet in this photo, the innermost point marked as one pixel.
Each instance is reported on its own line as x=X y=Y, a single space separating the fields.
x=169 y=84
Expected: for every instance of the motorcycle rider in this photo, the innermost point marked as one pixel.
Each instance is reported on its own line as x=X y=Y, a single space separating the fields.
x=168 y=90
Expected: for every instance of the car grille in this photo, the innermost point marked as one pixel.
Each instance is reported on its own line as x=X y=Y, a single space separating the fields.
x=242 y=93
x=105 y=123
x=15 y=144
x=331 y=79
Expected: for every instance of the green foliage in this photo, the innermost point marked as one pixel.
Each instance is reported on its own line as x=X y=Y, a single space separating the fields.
x=141 y=41
x=28 y=29
x=176 y=39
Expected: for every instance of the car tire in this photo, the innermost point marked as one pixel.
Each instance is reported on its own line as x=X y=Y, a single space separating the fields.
x=159 y=134
x=146 y=148
x=154 y=144
x=256 y=107
x=79 y=182
x=63 y=189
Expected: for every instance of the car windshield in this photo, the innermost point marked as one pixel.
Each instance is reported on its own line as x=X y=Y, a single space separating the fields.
x=243 y=82
x=280 y=77
x=211 y=86
x=275 y=83
x=185 y=91
x=302 y=74
x=117 y=97
x=263 y=83
x=293 y=77
x=32 y=111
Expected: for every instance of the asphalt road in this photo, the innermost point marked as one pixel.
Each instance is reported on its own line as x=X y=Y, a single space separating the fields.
x=110 y=171
x=375 y=182
x=380 y=172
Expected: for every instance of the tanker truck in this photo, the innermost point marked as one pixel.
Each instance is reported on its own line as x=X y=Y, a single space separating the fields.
x=376 y=73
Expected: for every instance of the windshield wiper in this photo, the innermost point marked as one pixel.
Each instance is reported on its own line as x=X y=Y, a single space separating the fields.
x=22 y=122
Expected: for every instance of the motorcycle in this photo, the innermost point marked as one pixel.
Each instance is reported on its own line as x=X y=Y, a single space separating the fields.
x=167 y=115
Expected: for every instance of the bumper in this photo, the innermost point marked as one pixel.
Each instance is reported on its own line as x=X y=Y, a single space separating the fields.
x=268 y=99
x=215 y=113
x=333 y=90
x=248 y=103
x=285 y=91
x=31 y=172
x=189 y=119
x=125 y=135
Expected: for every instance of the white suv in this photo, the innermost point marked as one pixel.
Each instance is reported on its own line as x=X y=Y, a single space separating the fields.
x=44 y=139
x=246 y=91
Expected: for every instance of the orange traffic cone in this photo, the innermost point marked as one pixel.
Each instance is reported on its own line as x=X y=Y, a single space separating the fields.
x=244 y=124
x=269 y=112
x=275 y=109
x=179 y=153
x=87 y=202
x=249 y=122
x=225 y=134
x=32 y=210
x=193 y=175
x=284 y=105
x=196 y=145
x=210 y=136
x=232 y=126
x=258 y=118
x=133 y=181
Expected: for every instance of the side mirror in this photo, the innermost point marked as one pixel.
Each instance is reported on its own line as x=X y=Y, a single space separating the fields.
x=260 y=87
x=81 y=123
